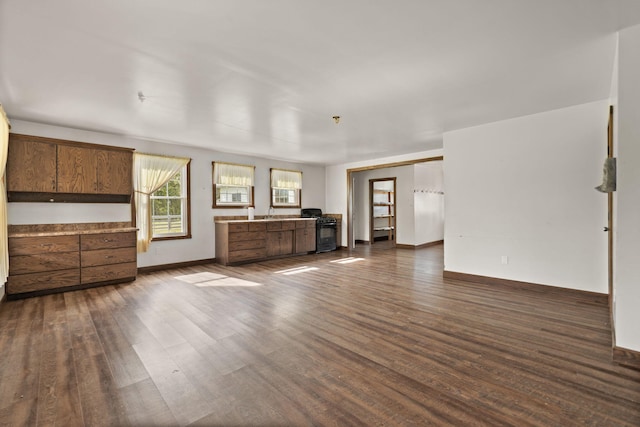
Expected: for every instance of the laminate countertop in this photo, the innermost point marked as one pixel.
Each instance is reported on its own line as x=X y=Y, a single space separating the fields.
x=40 y=230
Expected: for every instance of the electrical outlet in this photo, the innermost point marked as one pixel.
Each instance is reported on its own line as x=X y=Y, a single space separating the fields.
x=505 y=259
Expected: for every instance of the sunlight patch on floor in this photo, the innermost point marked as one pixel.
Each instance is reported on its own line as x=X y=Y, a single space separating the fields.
x=348 y=260
x=208 y=280
x=296 y=270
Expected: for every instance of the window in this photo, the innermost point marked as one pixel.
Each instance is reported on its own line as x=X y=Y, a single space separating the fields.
x=170 y=207
x=286 y=187
x=150 y=174
x=232 y=185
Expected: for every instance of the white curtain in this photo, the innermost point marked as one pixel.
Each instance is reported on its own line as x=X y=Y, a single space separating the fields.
x=281 y=178
x=4 y=245
x=232 y=174
x=150 y=172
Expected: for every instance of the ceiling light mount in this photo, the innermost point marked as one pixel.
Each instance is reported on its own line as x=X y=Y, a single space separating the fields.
x=336 y=119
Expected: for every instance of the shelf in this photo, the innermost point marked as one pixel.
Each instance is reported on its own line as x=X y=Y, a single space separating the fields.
x=382 y=204
x=383 y=228
x=383 y=216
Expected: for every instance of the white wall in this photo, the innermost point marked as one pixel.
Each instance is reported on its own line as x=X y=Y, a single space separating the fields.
x=336 y=181
x=428 y=201
x=627 y=196
x=201 y=246
x=524 y=188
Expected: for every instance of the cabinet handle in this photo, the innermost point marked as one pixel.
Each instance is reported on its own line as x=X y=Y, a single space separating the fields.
x=46 y=245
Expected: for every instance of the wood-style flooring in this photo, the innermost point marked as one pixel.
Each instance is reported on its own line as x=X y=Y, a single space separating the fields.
x=374 y=337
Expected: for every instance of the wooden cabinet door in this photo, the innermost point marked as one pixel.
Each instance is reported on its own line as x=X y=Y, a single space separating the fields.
x=273 y=243
x=305 y=240
x=114 y=175
x=279 y=243
x=77 y=170
x=286 y=243
x=31 y=165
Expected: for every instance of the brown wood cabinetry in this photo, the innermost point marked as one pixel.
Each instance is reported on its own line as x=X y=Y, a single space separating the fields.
x=115 y=172
x=43 y=263
x=305 y=237
x=280 y=238
x=108 y=256
x=240 y=241
x=31 y=166
x=246 y=241
x=52 y=263
x=46 y=169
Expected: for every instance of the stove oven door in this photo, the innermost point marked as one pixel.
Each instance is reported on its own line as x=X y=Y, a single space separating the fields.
x=326 y=237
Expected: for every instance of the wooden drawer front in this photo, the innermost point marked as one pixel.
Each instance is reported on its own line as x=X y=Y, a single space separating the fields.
x=289 y=225
x=238 y=226
x=105 y=273
x=43 y=281
x=108 y=256
x=249 y=235
x=246 y=244
x=42 y=244
x=257 y=226
x=306 y=223
x=24 y=264
x=247 y=254
x=274 y=225
x=107 y=240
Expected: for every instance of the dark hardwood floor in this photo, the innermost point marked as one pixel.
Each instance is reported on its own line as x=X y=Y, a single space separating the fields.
x=375 y=337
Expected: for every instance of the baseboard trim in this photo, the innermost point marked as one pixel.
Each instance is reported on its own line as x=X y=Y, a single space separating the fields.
x=585 y=296
x=422 y=246
x=160 y=267
x=626 y=357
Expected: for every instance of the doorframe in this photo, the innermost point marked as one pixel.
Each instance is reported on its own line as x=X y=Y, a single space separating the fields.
x=350 y=172
x=610 y=230
x=393 y=232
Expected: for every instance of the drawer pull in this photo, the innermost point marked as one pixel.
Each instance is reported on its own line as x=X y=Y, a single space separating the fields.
x=108 y=256
x=106 y=240
x=46 y=245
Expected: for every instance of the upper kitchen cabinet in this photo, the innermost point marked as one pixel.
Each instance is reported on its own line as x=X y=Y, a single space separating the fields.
x=77 y=170
x=31 y=166
x=45 y=169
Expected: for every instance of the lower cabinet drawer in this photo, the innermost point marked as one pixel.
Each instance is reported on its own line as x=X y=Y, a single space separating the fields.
x=247 y=254
x=105 y=273
x=42 y=244
x=108 y=256
x=24 y=264
x=22 y=283
x=107 y=240
x=246 y=244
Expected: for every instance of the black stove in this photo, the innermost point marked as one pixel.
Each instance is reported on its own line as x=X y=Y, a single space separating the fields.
x=317 y=214
x=326 y=229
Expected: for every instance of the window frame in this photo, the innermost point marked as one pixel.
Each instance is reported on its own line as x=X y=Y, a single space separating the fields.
x=186 y=206
x=231 y=205
x=298 y=191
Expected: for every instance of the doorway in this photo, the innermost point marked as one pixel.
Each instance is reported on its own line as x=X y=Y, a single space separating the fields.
x=382 y=210
x=356 y=217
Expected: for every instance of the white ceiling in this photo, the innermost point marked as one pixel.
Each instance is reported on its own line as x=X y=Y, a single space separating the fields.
x=265 y=77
